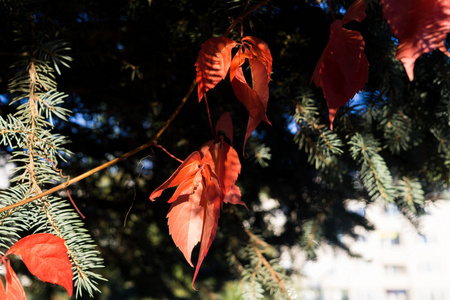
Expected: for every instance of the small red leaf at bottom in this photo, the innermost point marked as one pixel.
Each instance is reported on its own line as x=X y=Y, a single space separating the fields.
x=2 y=290
x=45 y=256
x=14 y=289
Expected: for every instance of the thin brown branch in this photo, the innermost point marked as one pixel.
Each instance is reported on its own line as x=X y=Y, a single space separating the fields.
x=274 y=274
x=150 y=143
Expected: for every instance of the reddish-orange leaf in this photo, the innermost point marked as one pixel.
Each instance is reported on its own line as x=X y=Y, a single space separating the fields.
x=343 y=67
x=45 y=256
x=213 y=63
x=2 y=290
x=420 y=26
x=186 y=171
x=255 y=99
x=193 y=215
x=223 y=159
x=203 y=185
x=211 y=204
x=14 y=289
x=259 y=50
x=185 y=220
x=234 y=196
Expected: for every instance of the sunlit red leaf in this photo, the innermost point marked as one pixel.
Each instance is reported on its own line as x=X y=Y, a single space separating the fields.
x=343 y=67
x=222 y=157
x=254 y=99
x=234 y=196
x=45 y=256
x=195 y=209
x=420 y=26
x=213 y=63
x=14 y=289
x=211 y=204
x=260 y=51
x=185 y=172
x=185 y=220
x=205 y=180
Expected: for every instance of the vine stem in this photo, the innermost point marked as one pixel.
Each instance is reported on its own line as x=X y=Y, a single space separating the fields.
x=152 y=142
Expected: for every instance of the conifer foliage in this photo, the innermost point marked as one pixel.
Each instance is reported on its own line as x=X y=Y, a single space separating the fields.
x=36 y=153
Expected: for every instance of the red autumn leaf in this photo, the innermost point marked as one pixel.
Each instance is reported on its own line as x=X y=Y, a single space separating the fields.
x=14 y=289
x=224 y=161
x=343 y=68
x=420 y=26
x=195 y=209
x=183 y=177
x=185 y=220
x=260 y=51
x=213 y=63
x=234 y=196
x=45 y=256
x=211 y=204
x=205 y=180
x=254 y=99
x=2 y=290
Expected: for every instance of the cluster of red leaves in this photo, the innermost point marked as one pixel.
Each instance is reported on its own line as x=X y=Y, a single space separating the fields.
x=420 y=26
x=206 y=179
x=214 y=61
x=45 y=256
x=343 y=68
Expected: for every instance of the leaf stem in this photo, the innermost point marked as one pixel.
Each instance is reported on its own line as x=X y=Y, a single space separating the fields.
x=168 y=153
x=209 y=118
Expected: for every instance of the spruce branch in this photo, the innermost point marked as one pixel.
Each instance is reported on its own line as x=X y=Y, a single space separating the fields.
x=411 y=194
x=322 y=145
x=374 y=172
x=35 y=154
x=258 y=247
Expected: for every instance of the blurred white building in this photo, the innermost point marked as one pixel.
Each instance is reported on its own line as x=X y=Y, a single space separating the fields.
x=397 y=262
